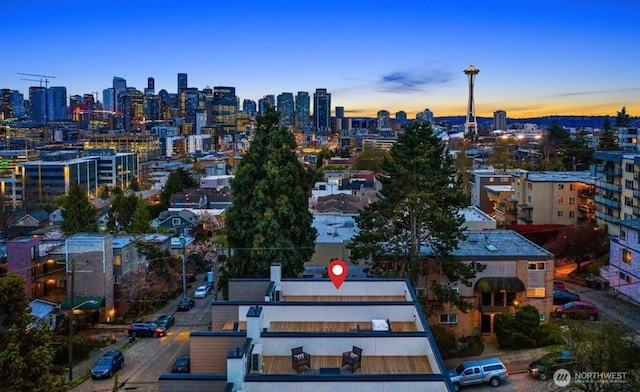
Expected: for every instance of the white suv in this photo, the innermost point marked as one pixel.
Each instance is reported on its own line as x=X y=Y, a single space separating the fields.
x=200 y=292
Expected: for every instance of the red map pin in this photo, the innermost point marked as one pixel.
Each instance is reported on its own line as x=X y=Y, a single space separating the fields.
x=337 y=272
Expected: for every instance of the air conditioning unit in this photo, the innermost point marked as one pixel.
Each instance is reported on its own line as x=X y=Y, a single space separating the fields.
x=256 y=358
x=421 y=291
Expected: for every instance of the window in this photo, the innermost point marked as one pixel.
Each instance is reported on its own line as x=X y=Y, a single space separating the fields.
x=491 y=179
x=537 y=265
x=628 y=184
x=491 y=368
x=560 y=213
x=541 y=316
x=572 y=187
x=175 y=221
x=448 y=319
x=560 y=200
x=535 y=292
x=572 y=201
x=511 y=299
x=117 y=279
x=486 y=299
x=504 y=179
x=61 y=283
x=623 y=234
x=529 y=186
x=626 y=256
x=560 y=186
x=628 y=201
x=629 y=167
x=529 y=199
x=572 y=214
x=117 y=259
x=498 y=300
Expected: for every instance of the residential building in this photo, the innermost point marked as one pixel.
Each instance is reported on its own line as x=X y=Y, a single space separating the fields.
x=115 y=169
x=500 y=120
x=178 y=221
x=253 y=336
x=249 y=106
x=623 y=271
x=286 y=109
x=516 y=272
x=618 y=190
x=505 y=210
x=478 y=182
x=322 y=111
x=335 y=231
x=126 y=261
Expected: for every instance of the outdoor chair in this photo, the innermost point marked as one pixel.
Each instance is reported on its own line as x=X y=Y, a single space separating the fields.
x=300 y=359
x=352 y=358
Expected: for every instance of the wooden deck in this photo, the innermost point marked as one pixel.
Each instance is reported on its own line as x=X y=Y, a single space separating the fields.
x=344 y=298
x=370 y=364
x=336 y=326
x=228 y=326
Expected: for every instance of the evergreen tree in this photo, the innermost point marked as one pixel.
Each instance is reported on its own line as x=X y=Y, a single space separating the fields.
x=608 y=138
x=370 y=159
x=419 y=206
x=26 y=353
x=623 y=119
x=135 y=184
x=78 y=214
x=269 y=219
x=576 y=153
x=177 y=181
x=141 y=218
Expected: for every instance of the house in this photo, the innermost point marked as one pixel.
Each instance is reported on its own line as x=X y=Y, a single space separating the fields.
x=55 y=217
x=623 y=271
x=335 y=232
x=340 y=203
x=180 y=221
x=367 y=335
x=516 y=272
x=34 y=219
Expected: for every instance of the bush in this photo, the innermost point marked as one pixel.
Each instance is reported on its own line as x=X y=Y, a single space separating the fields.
x=445 y=339
x=523 y=330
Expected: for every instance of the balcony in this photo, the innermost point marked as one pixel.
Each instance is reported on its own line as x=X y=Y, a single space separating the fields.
x=636 y=193
x=586 y=194
x=612 y=171
x=614 y=203
x=608 y=186
x=607 y=218
x=525 y=219
x=636 y=211
x=586 y=208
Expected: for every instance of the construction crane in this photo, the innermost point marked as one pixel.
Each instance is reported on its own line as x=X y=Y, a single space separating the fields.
x=43 y=78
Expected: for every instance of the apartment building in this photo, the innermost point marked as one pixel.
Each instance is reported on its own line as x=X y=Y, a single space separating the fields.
x=623 y=271
x=256 y=335
x=480 y=179
x=516 y=272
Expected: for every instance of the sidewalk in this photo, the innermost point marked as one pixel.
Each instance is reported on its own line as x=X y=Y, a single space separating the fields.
x=516 y=361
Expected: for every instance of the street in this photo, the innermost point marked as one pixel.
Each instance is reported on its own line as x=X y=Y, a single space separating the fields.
x=148 y=358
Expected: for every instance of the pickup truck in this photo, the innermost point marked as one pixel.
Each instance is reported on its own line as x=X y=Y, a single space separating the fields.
x=489 y=370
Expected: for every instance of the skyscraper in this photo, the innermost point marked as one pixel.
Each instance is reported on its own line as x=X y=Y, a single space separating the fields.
x=182 y=82
x=384 y=119
x=119 y=88
x=57 y=103
x=151 y=86
x=249 y=106
x=224 y=110
x=285 y=108
x=401 y=117
x=303 y=111
x=322 y=111
x=38 y=105
x=470 y=125
x=339 y=118
x=499 y=120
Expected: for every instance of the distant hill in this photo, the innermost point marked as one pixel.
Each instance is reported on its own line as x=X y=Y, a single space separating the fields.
x=567 y=121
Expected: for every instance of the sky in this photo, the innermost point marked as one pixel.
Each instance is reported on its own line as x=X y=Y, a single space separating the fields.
x=536 y=57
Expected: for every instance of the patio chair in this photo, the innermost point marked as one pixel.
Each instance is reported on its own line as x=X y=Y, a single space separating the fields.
x=300 y=359
x=352 y=358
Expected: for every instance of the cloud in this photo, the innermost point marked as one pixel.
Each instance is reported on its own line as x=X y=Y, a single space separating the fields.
x=404 y=81
x=595 y=92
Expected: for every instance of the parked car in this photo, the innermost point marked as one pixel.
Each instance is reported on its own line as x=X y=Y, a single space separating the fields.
x=146 y=329
x=577 y=310
x=490 y=370
x=166 y=320
x=557 y=284
x=186 y=304
x=107 y=364
x=544 y=367
x=201 y=292
x=561 y=297
x=182 y=364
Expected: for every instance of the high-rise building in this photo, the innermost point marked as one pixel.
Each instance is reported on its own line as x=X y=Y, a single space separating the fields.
x=189 y=102
x=57 y=103
x=401 y=117
x=182 y=82
x=108 y=99
x=224 y=110
x=249 y=106
x=322 y=111
x=303 y=111
x=151 y=86
x=38 y=104
x=11 y=103
x=285 y=108
x=384 y=119
x=339 y=126
x=119 y=88
x=499 y=120
x=425 y=116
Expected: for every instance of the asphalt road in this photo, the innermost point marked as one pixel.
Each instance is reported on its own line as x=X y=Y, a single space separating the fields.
x=148 y=358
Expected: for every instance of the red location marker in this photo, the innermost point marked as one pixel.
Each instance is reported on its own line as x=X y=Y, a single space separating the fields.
x=337 y=272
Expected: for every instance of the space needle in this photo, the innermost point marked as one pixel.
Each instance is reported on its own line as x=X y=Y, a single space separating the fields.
x=470 y=125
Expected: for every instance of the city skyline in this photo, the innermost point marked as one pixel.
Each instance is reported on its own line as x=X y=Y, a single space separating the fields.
x=535 y=57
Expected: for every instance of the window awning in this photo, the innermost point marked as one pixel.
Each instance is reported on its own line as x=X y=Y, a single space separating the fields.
x=497 y=283
x=83 y=303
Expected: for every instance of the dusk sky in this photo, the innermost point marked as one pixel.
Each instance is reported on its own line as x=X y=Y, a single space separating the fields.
x=536 y=57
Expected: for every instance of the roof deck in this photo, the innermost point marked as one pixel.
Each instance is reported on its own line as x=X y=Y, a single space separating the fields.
x=344 y=298
x=323 y=326
x=370 y=364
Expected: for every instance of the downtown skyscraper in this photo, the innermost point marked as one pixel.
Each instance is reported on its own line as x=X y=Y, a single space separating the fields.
x=182 y=82
x=303 y=111
x=286 y=109
x=322 y=111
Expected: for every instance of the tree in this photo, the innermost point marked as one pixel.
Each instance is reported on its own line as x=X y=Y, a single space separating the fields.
x=602 y=348
x=141 y=218
x=608 y=138
x=269 y=219
x=579 y=243
x=135 y=184
x=420 y=204
x=121 y=212
x=26 y=353
x=623 y=119
x=78 y=214
x=371 y=159
x=577 y=153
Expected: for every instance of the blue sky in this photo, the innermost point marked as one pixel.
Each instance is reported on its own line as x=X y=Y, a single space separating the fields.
x=536 y=57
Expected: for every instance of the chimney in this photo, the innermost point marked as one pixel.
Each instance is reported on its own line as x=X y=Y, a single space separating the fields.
x=236 y=368
x=255 y=321
x=276 y=273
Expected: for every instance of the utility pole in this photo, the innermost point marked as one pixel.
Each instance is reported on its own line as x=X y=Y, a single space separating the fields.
x=71 y=305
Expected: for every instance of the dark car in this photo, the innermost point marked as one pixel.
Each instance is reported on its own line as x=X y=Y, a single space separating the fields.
x=107 y=364
x=561 y=297
x=577 y=310
x=166 y=320
x=182 y=364
x=544 y=367
x=186 y=304
x=146 y=329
